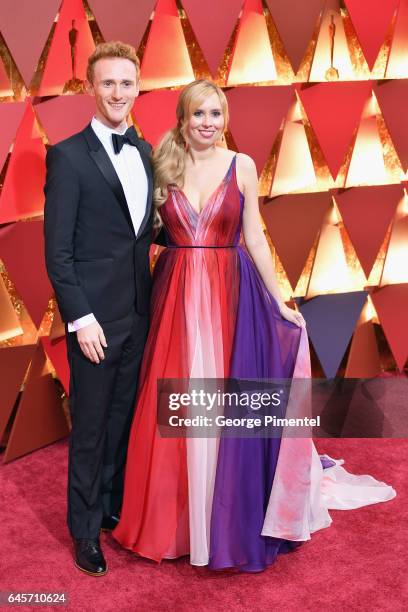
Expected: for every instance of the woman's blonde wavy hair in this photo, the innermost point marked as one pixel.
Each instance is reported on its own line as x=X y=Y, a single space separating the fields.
x=169 y=157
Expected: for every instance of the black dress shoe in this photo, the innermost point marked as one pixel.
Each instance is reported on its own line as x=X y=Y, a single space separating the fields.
x=89 y=557
x=109 y=522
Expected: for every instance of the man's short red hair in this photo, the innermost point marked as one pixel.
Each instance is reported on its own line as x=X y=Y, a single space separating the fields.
x=112 y=49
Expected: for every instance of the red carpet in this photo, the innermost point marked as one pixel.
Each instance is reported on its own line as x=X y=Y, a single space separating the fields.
x=359 y=563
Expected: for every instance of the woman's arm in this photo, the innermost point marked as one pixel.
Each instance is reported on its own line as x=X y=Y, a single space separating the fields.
x=255 y=239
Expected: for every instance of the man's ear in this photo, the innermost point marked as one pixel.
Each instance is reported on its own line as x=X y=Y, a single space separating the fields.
x=89 y=88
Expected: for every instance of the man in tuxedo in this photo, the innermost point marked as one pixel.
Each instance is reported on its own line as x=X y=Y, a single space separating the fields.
x=98 y=230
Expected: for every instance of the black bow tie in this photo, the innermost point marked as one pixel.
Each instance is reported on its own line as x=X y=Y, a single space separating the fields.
x=120 y=139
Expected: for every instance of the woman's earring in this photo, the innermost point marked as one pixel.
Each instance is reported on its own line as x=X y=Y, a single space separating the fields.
x=186 y=146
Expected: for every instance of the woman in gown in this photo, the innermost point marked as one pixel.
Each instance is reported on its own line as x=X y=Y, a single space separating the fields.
x=217 y=312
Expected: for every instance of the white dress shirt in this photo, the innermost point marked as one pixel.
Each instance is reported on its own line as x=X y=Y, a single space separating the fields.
x=131 y=173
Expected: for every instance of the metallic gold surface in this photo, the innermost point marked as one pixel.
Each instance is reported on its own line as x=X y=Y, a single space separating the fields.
x=48 y=318
x=282 y=62
x=9 y=322
x=197 y=59
x=305 y=67
x=332 y=59
x=323 y=175
x=391 y=160
x=358 y=61
x=353 y=263
x=30 y=333
x=17 y=88
x=374 y=278
x=380 y=65
x=266 y=177
x=36 y=80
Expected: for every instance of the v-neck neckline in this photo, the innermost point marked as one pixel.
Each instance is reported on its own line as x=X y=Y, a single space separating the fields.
x=207 y=202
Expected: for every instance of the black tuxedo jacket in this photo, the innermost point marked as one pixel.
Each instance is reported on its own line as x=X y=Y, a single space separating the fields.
x=95 y=261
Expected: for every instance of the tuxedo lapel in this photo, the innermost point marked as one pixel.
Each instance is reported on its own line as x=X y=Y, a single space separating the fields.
x=101 y=159
x=145 y=157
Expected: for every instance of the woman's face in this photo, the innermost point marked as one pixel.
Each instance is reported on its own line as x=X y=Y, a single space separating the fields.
x=206 y=125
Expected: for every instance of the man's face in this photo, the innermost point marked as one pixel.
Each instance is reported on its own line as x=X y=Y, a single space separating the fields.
x=115 y=88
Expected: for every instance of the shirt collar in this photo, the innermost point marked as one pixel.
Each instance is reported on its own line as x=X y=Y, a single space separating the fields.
x=104 y=132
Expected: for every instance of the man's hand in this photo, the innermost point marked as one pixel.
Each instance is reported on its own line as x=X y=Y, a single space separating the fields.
x=91 y=340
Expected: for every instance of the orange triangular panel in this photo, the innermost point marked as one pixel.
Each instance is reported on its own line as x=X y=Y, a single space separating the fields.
x=132 y=23
x=155 y=113
x=395 y=268
x=371 y=21
x=166 y=61
x=397 y=59
x=364 y=358
x=40 y=418
x=294 y=169
x=252 y=60
x=9 y=322
x=10 y=117
x=366 y=166
x=293 y=222
x=295 y=21
x=58 y=326
x=392 y=97
x=58 y=68
x=13 y=366
x=213 y=27
x=334 y=111
x=391 y=304
x=269 y=105
x=22 y=250
x=22 y=194
x=25 y=26
x=65 y=115
x=5 y=85
x=367 y=213
x=57 y=354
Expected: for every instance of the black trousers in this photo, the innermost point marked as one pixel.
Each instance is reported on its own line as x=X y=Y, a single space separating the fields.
x=102 y=402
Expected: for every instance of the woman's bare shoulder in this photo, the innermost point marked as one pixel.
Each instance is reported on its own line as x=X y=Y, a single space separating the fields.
x=246 y=170
x=245 y=162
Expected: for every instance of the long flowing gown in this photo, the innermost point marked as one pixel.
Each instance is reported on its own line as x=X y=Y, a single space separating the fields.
x=229 y=502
